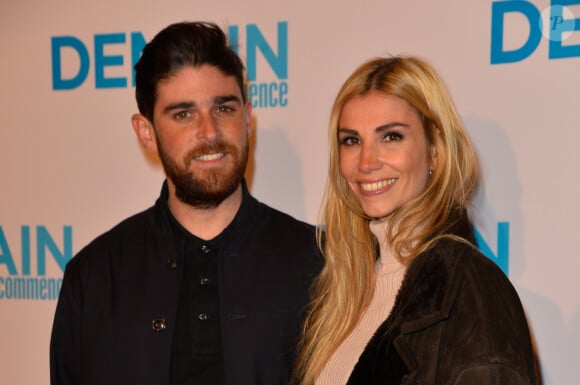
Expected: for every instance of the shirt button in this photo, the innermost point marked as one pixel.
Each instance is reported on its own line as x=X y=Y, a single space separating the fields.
x=159 y=324
x=172 y=264
x=203 y=316
x=205 y=249
x=204 y=281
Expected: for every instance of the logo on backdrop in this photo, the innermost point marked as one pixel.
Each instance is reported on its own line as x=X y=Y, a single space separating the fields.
x=273 y=90
x=112 y=56
x=502 y=254
x=555 y=24
x=24 y=276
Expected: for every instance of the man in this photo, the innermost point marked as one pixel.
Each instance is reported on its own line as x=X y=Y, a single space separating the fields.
x=208 y=286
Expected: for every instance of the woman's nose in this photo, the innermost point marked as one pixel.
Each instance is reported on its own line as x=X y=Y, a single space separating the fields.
x=368 y=159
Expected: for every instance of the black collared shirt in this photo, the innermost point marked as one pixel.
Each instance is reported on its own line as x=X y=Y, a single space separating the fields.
x=197 y=349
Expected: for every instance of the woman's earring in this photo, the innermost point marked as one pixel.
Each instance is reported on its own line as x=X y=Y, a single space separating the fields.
x=430 y=173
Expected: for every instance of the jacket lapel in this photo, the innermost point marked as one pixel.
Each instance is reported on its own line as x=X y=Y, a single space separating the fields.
x=426 y=297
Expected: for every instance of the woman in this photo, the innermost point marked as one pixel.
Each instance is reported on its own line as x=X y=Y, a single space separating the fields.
x=405 y=297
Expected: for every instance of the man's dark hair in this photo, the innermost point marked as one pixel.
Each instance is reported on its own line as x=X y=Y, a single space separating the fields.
x=179 y=45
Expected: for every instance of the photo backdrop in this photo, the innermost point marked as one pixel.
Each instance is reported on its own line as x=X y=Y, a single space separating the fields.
x=71 y=166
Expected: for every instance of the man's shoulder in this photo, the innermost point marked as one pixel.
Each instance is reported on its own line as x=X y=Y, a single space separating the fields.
x=276 y=220
x=277 y=229
x=134 y=227
x=129 y=225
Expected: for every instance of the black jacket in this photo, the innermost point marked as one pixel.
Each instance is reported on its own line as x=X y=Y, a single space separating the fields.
x=457 y=320
x=117 y=307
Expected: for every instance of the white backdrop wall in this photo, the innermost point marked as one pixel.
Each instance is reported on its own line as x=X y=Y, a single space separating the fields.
x=71 y=167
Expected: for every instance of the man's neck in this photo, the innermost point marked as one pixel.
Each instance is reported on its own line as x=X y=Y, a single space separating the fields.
x=205 y=223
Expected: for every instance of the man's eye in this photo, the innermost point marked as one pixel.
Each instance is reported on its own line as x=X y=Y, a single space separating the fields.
x=224 y=109
x=182 y=115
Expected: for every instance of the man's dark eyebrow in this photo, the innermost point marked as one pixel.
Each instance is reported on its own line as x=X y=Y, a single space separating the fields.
x=188 y=105
x=226 y=98
x=178 y=106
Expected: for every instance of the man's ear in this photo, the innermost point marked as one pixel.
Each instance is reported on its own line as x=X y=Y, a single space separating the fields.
x=145 y=132
x=248 y=117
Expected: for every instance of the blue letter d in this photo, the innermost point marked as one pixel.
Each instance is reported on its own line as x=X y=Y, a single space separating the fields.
x=498 y=10
x=58 y=83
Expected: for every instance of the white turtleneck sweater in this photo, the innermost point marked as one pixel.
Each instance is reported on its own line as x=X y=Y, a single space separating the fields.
x=390 y=274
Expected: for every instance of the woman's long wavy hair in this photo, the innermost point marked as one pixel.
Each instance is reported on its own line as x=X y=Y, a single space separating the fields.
x=346 y=284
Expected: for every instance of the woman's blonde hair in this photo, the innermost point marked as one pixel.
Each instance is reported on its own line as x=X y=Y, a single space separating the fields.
x=346 y=284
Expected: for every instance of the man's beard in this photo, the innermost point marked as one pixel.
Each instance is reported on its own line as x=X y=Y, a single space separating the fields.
x=205 y=188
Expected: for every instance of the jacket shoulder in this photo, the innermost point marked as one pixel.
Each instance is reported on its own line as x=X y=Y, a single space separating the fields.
x=467 y=270
x=433 y=279
x=284 y=227
x=135 y=226
x=483 y=318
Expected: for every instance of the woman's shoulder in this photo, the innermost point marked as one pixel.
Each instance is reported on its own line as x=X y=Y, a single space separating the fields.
x=462 y=260
x=449 y=269
x=456 y=261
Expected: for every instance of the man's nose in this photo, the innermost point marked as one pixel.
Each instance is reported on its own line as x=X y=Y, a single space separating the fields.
x=207 y=128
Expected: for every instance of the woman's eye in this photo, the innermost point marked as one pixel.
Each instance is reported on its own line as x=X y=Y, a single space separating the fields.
x=392 y=137
x=349 y=141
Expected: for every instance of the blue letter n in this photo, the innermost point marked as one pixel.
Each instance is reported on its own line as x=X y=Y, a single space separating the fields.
x=501 y=258
x=256 y=40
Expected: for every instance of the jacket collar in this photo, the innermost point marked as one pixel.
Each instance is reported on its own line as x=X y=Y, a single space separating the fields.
x=430 y=286
x=247 y=213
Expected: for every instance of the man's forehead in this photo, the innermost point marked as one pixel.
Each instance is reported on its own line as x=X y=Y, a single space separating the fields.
x=198 y=84
x=201 y=72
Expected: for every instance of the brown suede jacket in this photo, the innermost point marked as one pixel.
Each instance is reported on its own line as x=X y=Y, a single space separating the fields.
x=457 y=320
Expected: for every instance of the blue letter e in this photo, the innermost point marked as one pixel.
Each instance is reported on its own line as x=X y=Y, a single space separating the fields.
x=58 y=83
x=498 y=10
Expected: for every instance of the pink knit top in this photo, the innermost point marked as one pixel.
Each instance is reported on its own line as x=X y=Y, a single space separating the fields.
x=390 y=274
